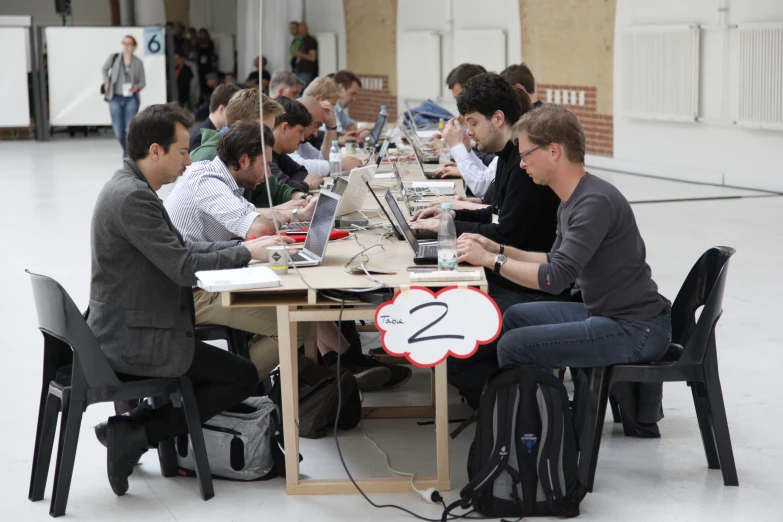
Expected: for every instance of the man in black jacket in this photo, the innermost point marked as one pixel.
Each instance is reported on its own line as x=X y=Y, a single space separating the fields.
x=521 y=213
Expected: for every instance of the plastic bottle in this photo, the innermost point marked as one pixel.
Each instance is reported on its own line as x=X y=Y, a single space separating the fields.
x=335 y=160
x=444 y=156
x=383 y=111
x=447 y=240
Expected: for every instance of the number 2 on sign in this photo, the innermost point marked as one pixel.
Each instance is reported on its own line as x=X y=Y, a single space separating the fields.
x=415 y=337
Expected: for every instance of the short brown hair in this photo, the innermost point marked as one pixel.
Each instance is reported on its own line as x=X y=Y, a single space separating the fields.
x=553 y=124
x=520 y=74
x=222 y=95
x=346 y=78
x=243 y=138
x=246 y=105
x=462 y=73
x=325 y=87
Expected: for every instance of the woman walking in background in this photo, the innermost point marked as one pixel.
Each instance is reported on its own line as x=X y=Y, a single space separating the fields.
x=123 y=79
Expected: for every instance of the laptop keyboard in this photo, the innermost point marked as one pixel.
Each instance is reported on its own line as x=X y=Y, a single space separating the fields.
x=296 y=225
x=300 y=257
x=428 y=250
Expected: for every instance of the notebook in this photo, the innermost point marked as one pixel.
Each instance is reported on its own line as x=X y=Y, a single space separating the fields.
x=249 y=278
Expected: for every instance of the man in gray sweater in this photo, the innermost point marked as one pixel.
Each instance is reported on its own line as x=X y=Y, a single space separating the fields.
x=623 y=318
x=141 y=302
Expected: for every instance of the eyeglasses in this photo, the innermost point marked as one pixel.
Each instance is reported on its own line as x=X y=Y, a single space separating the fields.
x=522 y=156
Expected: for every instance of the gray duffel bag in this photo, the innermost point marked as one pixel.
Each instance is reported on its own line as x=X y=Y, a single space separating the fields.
x=242 y=443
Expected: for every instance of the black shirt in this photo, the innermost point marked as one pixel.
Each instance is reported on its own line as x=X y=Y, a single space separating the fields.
x=306 y=66
x=195 y=137
x=289 y=172
x=527 y=213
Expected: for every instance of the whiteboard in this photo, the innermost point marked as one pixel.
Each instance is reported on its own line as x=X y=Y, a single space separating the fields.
x=75 y=58
x=418 y=65
x=13 y=77
x=485 y=47
x=327 y=53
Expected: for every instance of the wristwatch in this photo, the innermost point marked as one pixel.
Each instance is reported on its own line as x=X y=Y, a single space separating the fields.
x=296 y=214
x=500 y=260
x=502 y=248
x=331 y=128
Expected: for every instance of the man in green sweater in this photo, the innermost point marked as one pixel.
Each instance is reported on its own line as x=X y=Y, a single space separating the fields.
x=245 y=105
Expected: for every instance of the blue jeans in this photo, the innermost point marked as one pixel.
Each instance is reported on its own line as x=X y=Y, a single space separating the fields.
x=557 y=335
x=122 y=109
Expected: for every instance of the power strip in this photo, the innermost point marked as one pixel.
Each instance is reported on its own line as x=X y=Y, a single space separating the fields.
x=436 y=276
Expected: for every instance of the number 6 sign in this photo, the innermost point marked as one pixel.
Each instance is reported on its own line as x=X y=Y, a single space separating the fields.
x=426 y=327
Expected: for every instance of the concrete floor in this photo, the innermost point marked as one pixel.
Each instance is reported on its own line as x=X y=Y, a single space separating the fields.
x=48 y=194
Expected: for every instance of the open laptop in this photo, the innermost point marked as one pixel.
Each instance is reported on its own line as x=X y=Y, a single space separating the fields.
x=394 y=227
x=318 y=235
x=372 y=139
x=425 y=254
x=378 y=157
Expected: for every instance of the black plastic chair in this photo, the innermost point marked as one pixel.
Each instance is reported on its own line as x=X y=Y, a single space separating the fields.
x=692 y=358
x=236 y=339
x=77 y=374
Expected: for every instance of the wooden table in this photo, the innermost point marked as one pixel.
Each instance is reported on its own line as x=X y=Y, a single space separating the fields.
x=296 y=302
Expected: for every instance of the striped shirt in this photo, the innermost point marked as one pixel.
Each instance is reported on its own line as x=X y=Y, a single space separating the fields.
x=207 y=204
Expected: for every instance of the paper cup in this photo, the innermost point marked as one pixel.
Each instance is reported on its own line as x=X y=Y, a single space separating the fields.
x=278 y=259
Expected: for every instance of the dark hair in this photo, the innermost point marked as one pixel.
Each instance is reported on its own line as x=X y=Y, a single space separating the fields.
x=346 y=78
x=554 y=124
x=295 y=113
x=520 y=74
x=524 y=98
x=155 y=124
x=244 y=137
x=462 y=73
x=487 y=93
x=221 y=95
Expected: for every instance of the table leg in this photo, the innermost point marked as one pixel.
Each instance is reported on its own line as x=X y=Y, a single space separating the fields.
x=289 y=388
x=442 y=425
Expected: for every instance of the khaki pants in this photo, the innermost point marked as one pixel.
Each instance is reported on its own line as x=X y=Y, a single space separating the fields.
x=259 y=320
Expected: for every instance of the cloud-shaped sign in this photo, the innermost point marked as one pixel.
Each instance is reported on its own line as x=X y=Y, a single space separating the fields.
x=426 y=327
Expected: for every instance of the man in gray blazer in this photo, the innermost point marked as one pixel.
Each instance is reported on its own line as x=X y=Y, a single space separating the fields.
x=141 y=299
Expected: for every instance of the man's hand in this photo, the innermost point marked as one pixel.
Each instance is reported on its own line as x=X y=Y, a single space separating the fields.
x=470 y=250
x=426 y=213
x=449 y=170
x=350 y=135
x=433 y=143
x=329 y=118
x=290 y=205
x=453 y=133
x=306 y=214
x=314 y=181
x=437 y=202
x=432 y=224
x=362 y=135
x=486 y=243
x=351 y=162
x=258 y=247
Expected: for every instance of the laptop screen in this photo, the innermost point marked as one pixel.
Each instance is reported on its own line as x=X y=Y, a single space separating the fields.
x=321 y=224
x=382 y=153
x=401 y=221
x=376 y=131
x=396 y=170
x=339 y=186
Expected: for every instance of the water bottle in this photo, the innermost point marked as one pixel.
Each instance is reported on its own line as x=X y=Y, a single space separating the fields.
x=383 y=111
x=443 y=152
x=447 y=240
x=335 y=161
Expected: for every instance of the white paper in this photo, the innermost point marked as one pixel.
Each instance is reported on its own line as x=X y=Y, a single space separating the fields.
x=389 y=175
x=126 y=88
x=237 y=279
x=433 y=184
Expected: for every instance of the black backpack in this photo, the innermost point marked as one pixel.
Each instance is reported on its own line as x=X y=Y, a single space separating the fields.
x=523 y=460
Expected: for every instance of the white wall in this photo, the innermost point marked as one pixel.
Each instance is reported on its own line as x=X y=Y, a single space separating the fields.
x=417 y=15
x=83 y=12
x=712 y=149
x=274 y=33
x=217 y=16
x=150 y=12
x=328 y=16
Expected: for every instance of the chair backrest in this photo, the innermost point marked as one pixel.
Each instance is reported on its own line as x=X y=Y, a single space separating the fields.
x=704 y=286
x=59 y=317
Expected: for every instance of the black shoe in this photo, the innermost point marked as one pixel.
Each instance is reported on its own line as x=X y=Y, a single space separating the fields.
x=399 y=374
x=126 y=442
x=377 y=351
x=369 y=373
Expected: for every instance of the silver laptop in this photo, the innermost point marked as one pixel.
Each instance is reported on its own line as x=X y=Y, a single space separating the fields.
x=376 y=131
x=352 y=192
x=318 y=234
x=426 y=252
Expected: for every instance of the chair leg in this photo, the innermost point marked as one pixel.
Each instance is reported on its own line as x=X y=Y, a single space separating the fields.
x=617 y=416
x=720 y=425
x=702 y=405
x=196 y=438
x=44 y=443
x=593 y=425
x=66 y=456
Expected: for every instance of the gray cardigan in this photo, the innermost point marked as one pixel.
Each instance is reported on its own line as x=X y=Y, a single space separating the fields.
x=141 y=302
x=111 y=72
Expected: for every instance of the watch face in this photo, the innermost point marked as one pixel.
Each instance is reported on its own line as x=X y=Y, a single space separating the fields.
x=500 y=258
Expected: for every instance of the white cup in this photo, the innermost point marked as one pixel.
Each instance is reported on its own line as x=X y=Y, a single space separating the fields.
x=278 y=259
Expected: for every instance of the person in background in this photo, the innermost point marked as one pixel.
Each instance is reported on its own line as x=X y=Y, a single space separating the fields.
x=229 y=79
x=296 y=43
x=325 y=90
x=123 y=79
x=521 y=77
x=289 y=133
x=346 y=127
x=307 y=56
x=206 y=56
x=217 y=113
x=190 y=46
x=253 y=77
x=184 y=77
x=213 y=80
x=179 y=37
x=265 y=76
x=286 y=84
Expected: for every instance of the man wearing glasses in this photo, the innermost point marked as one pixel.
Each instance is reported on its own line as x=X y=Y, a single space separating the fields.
x=623 y=318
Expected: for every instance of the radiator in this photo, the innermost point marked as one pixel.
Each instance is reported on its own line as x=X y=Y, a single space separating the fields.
x=761 y=76
x=659 y=72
